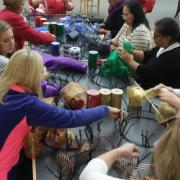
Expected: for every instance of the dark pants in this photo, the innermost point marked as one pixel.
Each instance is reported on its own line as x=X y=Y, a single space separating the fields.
x=22 y=170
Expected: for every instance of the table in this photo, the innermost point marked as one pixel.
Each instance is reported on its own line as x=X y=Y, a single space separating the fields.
x=139 y=127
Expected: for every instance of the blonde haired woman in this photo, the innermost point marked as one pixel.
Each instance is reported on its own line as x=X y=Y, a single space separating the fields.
x=6 y=44
x=20 y=108
x=167 y=153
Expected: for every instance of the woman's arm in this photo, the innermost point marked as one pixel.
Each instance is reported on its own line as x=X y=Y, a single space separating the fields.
x=168 y=95
x=41 y=114
x=69 y=5
x=138 y=55
x=98 y=167
x=22 y=30
x=129 y=59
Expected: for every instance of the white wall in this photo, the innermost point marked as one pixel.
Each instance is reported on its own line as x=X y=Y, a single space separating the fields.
x=162 y=8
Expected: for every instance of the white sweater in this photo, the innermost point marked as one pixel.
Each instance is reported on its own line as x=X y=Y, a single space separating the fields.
x=96 y=169
x=3 y=62
x=140 y=37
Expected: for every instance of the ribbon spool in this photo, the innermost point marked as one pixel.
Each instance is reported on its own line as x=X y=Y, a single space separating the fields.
x=74 y=95
x=66 y=49
x=59 y=32
x=72 y=36
x=42 y=20
x=52 y=27
x=165 y=112
x=75 y=52
x=38 y=21
x=60 y=29
x=116 y=97
x=135 y=95
x=105 y=96
x=93 y=98
x=55 y=48
x=92 y=59
x=46 y=24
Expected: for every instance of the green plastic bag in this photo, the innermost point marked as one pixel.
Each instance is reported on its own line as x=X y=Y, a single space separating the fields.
x=114 y=66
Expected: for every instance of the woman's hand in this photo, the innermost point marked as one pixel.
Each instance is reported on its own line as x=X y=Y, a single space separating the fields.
x=102 y=31
x=158 y=88
x=169 y=97
x=125 y=56
x=128 y=150
x=114 y=112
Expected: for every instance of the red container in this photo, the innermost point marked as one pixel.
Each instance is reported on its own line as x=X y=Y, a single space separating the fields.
x=42 y=20
x=93 y=98
x=38 y=21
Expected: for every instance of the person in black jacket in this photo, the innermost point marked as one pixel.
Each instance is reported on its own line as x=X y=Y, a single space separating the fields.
x=114 y=20
x=162 y=63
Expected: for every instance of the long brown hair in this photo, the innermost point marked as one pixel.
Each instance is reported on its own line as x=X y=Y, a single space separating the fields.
x=167 y=153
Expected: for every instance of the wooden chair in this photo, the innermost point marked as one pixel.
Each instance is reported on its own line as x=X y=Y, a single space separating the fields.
x=92 y=5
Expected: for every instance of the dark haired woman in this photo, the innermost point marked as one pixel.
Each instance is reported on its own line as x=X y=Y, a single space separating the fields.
x=135 y=29
x=114 y=20
x=162 y=63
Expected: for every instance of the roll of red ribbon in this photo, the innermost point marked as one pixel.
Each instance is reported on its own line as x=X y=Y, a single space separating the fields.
x=93 y=98
x=38 y=21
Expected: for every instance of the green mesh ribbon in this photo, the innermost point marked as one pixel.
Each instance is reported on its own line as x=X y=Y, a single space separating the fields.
x=127 y=46
x=114 y=66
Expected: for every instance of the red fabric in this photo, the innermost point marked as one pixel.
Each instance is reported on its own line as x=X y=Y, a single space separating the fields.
x=9 y=154
x=147 y=5
x=23 y=31
x=53 y=6
x=56 y=7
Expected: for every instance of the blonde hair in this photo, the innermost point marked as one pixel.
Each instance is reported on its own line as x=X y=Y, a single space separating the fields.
x=167 y=153
x=13 y=4
x=24 y=68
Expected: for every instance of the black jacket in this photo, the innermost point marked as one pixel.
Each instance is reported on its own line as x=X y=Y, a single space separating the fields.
x=114 y=23
x=163 y=69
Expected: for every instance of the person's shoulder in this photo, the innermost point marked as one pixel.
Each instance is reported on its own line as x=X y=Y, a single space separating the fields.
x=142 y=28
x=7 y=14
x=3 y=58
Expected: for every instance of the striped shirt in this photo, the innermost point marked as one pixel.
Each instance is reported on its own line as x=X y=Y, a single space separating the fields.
x=3 y=62
x=140 y=37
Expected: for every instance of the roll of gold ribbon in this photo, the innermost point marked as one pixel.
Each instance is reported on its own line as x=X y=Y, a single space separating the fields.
x=135 y=95
x=116 y=97
x=105 y=96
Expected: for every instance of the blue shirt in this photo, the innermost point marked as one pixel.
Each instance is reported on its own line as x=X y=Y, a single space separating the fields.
x=17 y=105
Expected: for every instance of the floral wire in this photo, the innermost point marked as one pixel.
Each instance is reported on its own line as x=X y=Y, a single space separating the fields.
x=47 y=167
